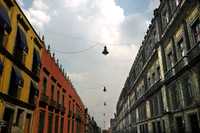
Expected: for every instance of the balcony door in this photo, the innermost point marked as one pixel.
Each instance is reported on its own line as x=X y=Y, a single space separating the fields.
x=8 y=118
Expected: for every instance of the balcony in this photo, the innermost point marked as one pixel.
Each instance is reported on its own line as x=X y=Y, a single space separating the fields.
x=62 y=108
x=33 y=101
x=194 y=54
x=58 y=106
x=52 y=103
x=169 y=74
x=44 y=98
x=36 y=71
x=20 y=56
x=78 y=117
x=179 y=66
x=69 y=114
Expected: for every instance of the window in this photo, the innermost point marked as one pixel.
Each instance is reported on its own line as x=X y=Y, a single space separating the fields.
x=63 y=99
x=157 y=127
x=134 y=130
x=5 y=25
x=155 y=37
x=142 y=112
x=144 y=128
x=50 y=122
x=180 y=125
x=196 y=30
x=170 y=62
x=16 y=83
x=140 y=91
x=8 y=117
x=44 y=85
x=69 y=105
x=158 y=73
x=188 y=93
x=72 y=125
x=27 y=123
x=154 y=106
x=68 y=127
x=19 y=118
x=41 y=122
x=36 y=63
x=149 y=82
x=1 y=36
x=165 y=19
x=33 y=93
x=175 y=97
x=61 y=124
x=21 y=48
x=194 y=123
x=153 y=77
x=133 y=116
x=1 y=67
x=160 y=102
x=58 y=97
x=181 y=49
x=52 y=92
x=56 y=124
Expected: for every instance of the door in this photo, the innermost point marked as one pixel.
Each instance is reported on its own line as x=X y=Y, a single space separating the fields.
x=27 y=124
x=194 y=123
x=180 y=125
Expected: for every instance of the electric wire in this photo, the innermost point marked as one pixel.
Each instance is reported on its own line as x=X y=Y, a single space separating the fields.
x=96 y=43
x=76 y=52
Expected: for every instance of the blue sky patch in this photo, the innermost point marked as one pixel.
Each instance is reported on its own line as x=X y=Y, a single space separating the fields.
x=133 y=6
x=27 y=3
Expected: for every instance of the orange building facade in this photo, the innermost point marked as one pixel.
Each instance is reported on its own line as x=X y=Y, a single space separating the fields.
x=59 y=108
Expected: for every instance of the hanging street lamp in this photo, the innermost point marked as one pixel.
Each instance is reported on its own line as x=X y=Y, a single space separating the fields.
x=105 y=51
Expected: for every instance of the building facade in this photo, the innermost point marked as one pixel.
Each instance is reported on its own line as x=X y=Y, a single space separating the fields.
x=20 y=51
x=112 y=125
x=162 y=91
x=59 y=107
x=36 y=96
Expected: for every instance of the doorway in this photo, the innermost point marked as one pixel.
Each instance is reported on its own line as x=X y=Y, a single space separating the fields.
x=27 y=124
x=8 y=118
x=194 y=123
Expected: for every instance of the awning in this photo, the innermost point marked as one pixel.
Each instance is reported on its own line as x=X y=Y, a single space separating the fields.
x=35 y=86
x=1 y=67
x=21 y=40
x=5 y=20
x=18 y=76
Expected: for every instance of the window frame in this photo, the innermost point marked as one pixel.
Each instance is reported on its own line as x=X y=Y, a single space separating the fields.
x=193 y=27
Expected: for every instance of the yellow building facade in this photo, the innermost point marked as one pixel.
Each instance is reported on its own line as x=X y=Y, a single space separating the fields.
x=20 y=49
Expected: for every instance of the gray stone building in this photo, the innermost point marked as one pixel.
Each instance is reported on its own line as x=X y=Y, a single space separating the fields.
x=162 y=91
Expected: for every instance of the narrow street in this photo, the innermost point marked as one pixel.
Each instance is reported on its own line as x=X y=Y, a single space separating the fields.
x=99 y=66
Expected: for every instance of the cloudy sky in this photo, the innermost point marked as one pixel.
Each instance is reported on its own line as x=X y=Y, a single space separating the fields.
x=71 y=26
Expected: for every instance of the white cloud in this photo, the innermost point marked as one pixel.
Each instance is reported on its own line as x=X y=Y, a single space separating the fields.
x=40 y=5
x=74 y=3
x=37 y=13
x=153 y=4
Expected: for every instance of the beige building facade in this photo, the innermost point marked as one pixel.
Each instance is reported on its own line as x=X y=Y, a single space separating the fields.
x=162 y=91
